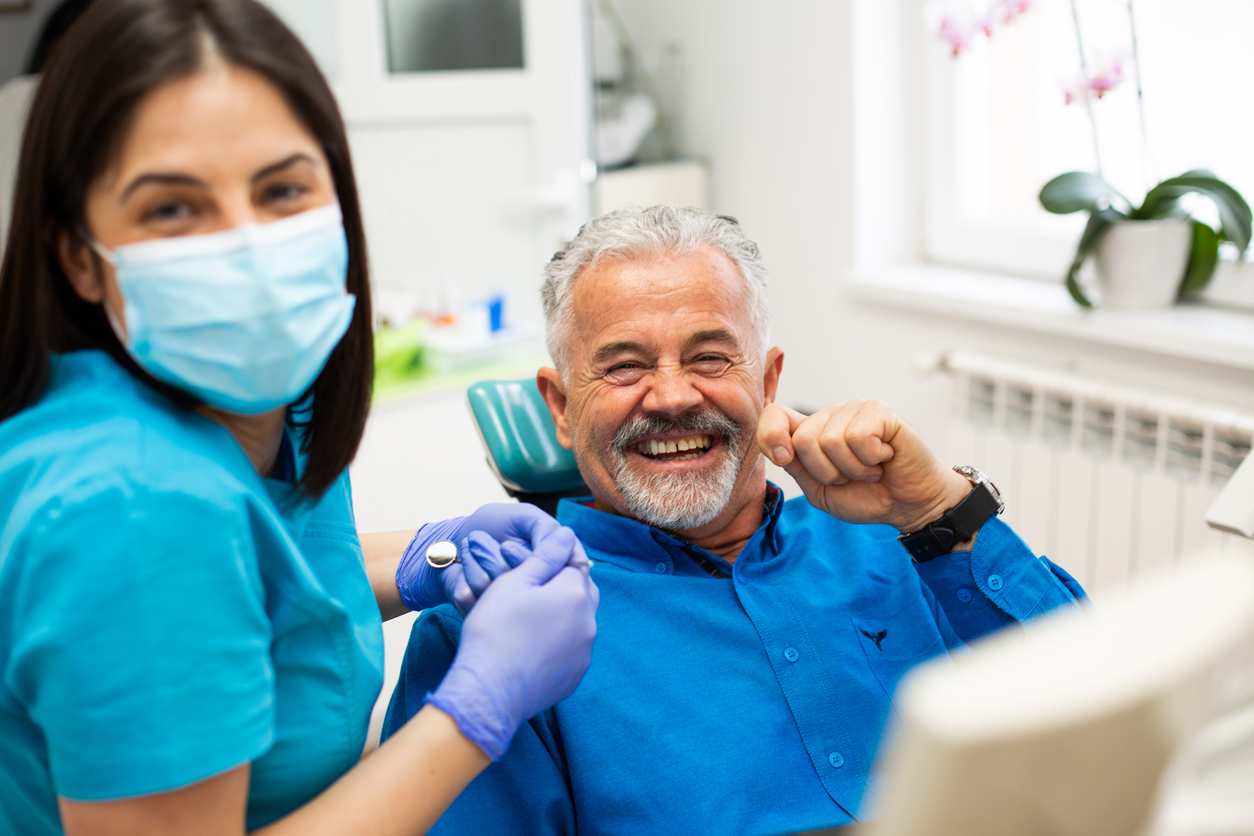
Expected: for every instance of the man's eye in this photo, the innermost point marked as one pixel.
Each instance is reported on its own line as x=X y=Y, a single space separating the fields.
x=626 y=373
x=711 y=364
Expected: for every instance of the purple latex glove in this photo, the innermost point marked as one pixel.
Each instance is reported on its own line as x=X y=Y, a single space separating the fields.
x=525 y=646
x=505 y=522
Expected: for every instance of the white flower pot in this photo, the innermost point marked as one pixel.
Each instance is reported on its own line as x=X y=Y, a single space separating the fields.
x=1140 y=264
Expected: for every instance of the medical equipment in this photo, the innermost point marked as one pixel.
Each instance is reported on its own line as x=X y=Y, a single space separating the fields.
x=521 y=444
x=515 y=659
x=1233 y=510
x=442 y=554
x=1066 y=727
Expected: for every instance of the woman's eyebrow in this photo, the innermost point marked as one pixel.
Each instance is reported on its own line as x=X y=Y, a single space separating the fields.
x=164 y=178
x=174 y=179
x=282 y=164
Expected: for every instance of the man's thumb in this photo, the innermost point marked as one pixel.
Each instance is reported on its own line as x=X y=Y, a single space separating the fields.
x=775 y=428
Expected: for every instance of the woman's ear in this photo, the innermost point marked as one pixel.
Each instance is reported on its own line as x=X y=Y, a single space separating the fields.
x=79 y=264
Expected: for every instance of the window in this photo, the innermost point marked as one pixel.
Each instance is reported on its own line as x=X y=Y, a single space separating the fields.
x=1001 y=127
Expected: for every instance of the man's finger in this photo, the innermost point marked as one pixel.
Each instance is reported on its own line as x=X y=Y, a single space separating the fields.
x=870 y=433
x=836 y=440
x=808 y=443
x=776 y=426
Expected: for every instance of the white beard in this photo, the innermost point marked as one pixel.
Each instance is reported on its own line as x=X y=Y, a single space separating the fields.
x=682 y=500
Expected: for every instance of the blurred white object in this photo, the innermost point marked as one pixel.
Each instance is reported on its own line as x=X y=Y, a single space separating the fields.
x=1209 y=789
x=15 y=99
x=685 y=183
x=1233 y=510
x=1140 y=264
x=620 y=134
x=1066 y=727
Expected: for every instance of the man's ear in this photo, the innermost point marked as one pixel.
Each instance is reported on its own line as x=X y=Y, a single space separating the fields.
x=770 y=377
x=79 y=264
x=549 y=382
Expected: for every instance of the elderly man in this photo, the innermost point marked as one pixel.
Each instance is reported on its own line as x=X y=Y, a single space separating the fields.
x=747 y=647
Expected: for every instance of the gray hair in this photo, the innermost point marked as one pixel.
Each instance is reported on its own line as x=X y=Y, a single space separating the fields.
x=635 y=233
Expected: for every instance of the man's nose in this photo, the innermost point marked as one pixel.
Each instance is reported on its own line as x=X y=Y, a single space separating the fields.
x=671 y=393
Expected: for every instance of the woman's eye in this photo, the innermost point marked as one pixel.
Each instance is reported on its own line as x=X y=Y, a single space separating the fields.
x=165 y=212
x=284 y=192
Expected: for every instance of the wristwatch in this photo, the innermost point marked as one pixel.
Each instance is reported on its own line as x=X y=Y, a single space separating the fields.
x=960 y=522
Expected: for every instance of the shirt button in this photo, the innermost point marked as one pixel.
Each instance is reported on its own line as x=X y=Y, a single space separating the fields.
x=964 y=595
x=836 y=759
x=994 y=582
x=660 y=568
x=791 y=654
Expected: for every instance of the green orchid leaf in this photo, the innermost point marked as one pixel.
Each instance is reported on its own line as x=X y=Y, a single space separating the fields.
x=1098 y=223
x=1202 y=259
x=1234 y=212
x=1078 y=191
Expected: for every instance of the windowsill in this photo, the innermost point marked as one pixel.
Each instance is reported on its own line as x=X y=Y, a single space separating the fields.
x=1192 y=331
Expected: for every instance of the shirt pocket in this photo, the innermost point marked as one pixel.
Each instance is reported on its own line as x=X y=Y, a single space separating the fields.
x=896 y=643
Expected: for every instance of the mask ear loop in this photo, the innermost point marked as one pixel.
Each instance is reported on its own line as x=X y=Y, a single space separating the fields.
x=114 y=323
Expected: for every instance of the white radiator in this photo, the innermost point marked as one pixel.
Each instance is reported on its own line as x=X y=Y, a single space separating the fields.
x=1105 y=480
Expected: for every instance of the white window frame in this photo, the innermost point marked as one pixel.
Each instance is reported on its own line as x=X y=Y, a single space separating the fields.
x=951 y=239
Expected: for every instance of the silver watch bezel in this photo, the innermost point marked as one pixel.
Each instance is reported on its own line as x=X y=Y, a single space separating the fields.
x=978 y=477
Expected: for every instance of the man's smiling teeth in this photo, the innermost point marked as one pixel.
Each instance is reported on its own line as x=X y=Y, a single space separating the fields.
x=682 y=445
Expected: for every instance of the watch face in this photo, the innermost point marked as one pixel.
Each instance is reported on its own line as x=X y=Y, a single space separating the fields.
x=977 y=477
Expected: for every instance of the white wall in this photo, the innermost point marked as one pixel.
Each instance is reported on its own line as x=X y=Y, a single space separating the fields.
x=766 y=99
x=815 y=141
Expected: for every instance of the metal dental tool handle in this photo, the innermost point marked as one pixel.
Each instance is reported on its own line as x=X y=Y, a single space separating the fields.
x=442 y=554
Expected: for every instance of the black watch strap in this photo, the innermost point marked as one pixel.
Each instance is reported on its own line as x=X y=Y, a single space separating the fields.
x=956 y=525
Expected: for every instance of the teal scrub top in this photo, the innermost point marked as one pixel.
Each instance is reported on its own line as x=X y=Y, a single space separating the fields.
x=166 y=614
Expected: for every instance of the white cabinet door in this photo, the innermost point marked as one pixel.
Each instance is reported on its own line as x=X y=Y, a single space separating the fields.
x=470 y=126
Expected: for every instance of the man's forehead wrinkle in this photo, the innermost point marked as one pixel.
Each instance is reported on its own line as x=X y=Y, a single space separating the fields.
x=620 y=300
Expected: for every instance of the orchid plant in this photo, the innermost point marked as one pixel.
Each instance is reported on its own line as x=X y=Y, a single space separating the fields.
x=959 y=27
x=1082 y=191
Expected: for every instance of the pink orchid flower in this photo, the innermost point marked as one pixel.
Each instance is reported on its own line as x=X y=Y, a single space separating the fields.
x=958 y=26
x=1108 y=75
x=1010 y=9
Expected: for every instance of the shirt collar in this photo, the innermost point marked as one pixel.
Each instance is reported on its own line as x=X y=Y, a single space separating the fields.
x=639 y=547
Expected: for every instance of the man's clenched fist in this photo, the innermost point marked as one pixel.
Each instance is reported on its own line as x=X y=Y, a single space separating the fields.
x=861 y=463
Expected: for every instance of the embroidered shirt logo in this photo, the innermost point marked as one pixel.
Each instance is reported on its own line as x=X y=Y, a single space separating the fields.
x=876 y=637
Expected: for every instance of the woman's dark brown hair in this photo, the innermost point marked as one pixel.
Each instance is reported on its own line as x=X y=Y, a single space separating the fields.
x=117 y=53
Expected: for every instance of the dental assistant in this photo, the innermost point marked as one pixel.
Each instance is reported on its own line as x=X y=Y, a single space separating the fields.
x=190 y=631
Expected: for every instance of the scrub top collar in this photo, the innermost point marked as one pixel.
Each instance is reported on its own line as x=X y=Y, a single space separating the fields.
x=638 y=547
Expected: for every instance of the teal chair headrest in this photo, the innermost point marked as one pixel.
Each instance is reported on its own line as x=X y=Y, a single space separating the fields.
x=520 y=439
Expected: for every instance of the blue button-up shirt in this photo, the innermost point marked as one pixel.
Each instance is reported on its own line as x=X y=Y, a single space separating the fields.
x=752 y=704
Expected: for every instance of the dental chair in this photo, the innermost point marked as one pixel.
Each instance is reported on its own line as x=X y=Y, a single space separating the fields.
x=520 y=443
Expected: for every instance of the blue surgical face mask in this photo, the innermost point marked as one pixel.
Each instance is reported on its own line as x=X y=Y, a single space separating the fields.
x=243 y=319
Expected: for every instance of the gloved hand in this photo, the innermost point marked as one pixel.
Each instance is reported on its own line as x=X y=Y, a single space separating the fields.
x=525 y=646
x=421 y=586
